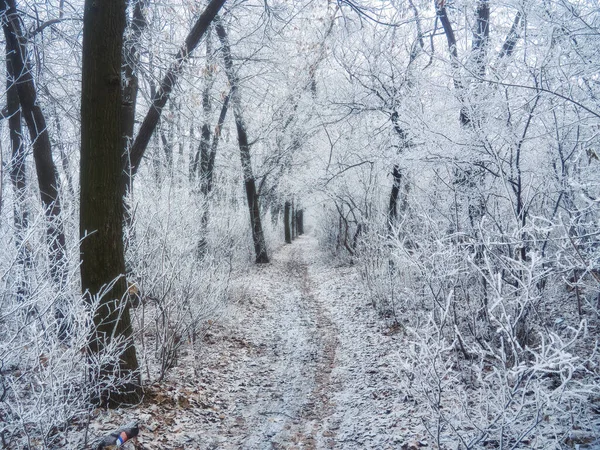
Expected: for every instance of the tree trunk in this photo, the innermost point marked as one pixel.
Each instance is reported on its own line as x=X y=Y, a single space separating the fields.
x=260 y=247
x=396 y=173
x=166 y=86
x=300 y=222
x=166 y=137
x=194 y=155
x=511 y=39
x=293 y=217
x=131 y=60
x=42 y=152
x=64 y=159
x=17 y=175
x=393 y=204
x=481 y=37
x=215 y=144
x=101 y=231
x=442 y=14
x=207 y=109
x=286 y=221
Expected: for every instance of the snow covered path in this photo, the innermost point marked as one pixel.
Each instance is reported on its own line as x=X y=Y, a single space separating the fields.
x=284 y=392
x=303 y=362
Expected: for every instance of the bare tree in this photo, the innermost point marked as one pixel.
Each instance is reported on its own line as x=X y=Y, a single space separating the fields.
x=167 y=84
x=38 y=132
x=260 y=246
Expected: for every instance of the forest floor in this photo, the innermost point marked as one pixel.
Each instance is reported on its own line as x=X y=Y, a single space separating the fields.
x=301 y=361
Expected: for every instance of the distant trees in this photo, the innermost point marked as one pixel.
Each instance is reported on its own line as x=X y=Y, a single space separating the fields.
x=486 y=133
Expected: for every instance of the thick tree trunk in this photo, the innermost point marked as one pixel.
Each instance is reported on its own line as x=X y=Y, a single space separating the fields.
x=286 y=221
x=101 y=232
x=260 y=247
x=42 y=152
x=166 y=86
x=17 y=175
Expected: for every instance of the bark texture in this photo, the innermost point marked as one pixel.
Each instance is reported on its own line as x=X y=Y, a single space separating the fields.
x=103 y=261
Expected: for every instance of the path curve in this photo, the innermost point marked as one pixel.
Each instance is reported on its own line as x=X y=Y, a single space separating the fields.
x=302 y=361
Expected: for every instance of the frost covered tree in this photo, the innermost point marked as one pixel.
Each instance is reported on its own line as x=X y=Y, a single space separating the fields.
x=446 y=150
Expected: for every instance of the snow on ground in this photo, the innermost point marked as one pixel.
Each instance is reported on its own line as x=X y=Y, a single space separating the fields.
x=301 y=362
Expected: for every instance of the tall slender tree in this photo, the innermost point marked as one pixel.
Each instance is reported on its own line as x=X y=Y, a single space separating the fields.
x=45 y=168
x=260 y=246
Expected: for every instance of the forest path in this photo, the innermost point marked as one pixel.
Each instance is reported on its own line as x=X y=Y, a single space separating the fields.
x=305 y=362
x=301 y=361
x=285 y=393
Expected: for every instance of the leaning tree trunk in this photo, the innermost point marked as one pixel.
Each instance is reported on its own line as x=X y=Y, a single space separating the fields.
x=167 y=84
x=101 y=231
x=38 y=132
x=260 y=247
